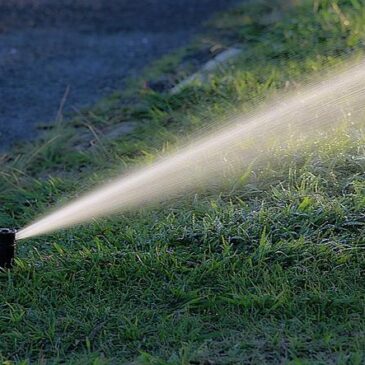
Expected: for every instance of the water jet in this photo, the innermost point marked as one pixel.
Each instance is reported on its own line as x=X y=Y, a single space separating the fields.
x=308 y=113
x=7 y=247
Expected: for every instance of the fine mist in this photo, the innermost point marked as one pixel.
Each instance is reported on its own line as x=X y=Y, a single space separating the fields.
x=318 y=107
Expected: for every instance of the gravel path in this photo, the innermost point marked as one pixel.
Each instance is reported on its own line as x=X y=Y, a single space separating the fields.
x=90 y=46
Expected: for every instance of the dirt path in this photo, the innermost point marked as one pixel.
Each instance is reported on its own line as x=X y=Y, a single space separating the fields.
x=89 y=45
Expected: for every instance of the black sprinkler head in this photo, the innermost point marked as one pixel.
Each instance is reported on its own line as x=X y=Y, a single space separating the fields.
x=7 y=247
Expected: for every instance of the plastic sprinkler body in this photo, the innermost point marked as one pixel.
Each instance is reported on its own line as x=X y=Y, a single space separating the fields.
x=7 y=247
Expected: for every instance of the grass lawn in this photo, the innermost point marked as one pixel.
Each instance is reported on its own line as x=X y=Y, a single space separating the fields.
x=268 y=271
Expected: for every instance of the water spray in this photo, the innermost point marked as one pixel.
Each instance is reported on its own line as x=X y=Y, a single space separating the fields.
x=320 y=106
x=7 y=247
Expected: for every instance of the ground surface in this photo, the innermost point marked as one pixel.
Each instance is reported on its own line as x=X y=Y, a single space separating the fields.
x=266 y=269
x=89 y=46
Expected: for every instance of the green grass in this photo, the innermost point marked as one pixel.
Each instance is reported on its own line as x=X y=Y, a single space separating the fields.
x=268 y=271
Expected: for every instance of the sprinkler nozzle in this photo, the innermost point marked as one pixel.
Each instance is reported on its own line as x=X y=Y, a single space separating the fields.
x=7 y=247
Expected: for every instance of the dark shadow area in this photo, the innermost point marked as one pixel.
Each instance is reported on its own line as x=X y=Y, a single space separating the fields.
x=90 y=46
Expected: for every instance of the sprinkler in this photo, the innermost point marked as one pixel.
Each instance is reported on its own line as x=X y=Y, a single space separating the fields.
x=7 y=247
